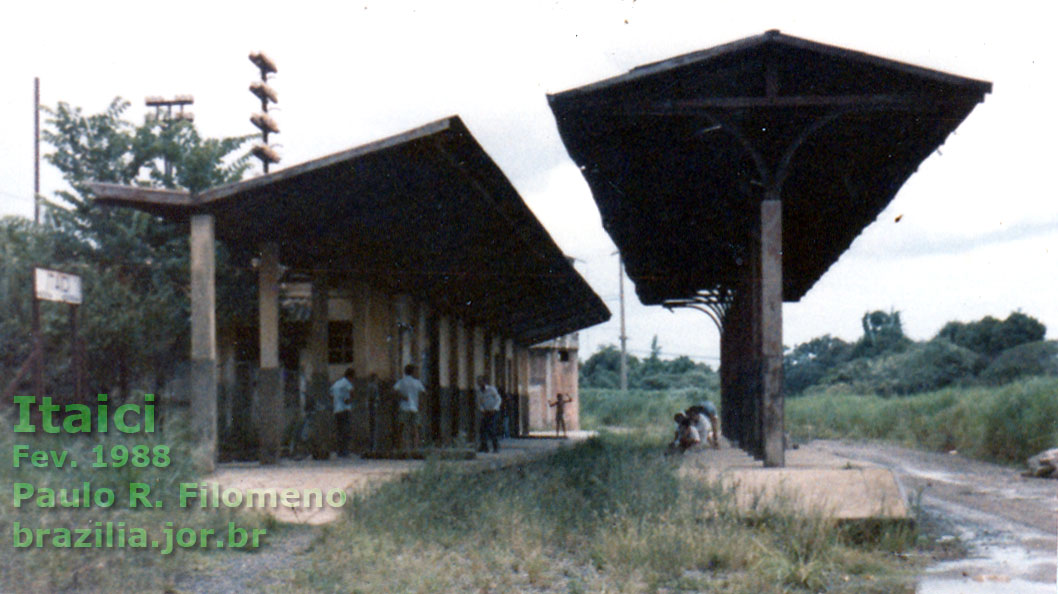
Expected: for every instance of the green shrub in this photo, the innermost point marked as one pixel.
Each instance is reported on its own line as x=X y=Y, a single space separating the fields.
x=920 y=367
x=1006 y=424
x=1034 y=358
x=1021 y=420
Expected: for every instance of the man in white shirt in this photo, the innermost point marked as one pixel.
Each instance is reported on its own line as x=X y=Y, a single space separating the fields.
x=489 y=402
x=700 y=423
x=408 y=389
x=341 y=394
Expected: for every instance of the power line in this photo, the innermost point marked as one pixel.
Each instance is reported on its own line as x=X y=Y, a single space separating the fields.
x=21 y=197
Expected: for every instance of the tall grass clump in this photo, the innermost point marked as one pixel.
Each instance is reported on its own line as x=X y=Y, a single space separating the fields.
x=610 y=514
x=95 y=568
x=1005 y=424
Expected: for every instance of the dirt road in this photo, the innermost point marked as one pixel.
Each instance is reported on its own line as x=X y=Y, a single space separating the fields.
x=1008 y=522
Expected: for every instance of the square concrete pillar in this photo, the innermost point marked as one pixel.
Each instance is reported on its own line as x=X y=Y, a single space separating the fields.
x=271 y=417
x=319 y=377
x=203 y=342
x=464 y=381
x=772 y=419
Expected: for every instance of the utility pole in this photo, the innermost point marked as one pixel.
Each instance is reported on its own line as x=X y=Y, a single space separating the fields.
x=263 y=121
x=180 y=101
x=159 y=104
x=624 y=337
x=36 y=150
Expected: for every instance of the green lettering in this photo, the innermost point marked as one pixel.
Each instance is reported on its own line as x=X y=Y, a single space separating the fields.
x=148 y=411
x=79 y=415
x=101 y=413
x=24 y=403
x=23 y=491
x=138 y=494
x=60 y=537
x=119 y=418
x=46 y=409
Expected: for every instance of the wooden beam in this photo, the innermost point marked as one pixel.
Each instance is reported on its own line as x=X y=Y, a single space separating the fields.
x=135 y=196
x=676 y=107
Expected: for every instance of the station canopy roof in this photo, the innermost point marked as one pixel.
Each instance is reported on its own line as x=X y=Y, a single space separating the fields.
x=426 y=213
x=679 y=153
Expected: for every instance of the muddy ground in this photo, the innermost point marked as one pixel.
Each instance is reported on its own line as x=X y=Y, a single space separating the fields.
x=1008 y=523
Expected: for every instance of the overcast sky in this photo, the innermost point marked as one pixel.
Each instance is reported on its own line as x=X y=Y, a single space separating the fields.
x=978 y=223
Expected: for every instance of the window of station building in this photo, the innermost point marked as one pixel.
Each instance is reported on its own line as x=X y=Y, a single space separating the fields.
x=339 y=342
x=563 y=356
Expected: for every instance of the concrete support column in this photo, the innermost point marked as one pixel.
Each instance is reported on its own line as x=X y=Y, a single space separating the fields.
x=269 y=381
x=771 y=332
x=430 y=408
x=521 y=358
x=319 y=377
x=464 y=381
x=445 y=393
x=738 y=376
x=496 y=362
x=203 y=342
x=479 y=368
x=752 y=348
x=405 y=333
x=515 y=402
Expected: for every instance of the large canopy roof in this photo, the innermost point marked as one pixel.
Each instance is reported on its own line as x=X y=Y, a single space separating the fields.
x=678 y=154
x=426 y=213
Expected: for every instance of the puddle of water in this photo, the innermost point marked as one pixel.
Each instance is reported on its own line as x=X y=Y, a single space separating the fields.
x=998 y=570
x=968 y=586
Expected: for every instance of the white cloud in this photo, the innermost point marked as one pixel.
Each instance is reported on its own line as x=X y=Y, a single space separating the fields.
x=972 y=240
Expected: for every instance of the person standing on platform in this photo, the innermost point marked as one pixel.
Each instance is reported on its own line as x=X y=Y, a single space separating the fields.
x=408 y=388
x=489 y=403
x=341 y=394
x=560 y=412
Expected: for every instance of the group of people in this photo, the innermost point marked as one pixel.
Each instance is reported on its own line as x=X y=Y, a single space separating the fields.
x=696 y=426
x=408 y=390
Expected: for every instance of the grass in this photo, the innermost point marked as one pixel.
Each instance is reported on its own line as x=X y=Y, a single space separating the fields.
x=609 y=514
x=50 y=569
x=1005 y=424
x=647 y=410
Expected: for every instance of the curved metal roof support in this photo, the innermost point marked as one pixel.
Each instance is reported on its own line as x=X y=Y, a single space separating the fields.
x=713 y=303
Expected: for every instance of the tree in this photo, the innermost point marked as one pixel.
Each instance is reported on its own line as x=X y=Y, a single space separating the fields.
x=882 y=333
x=807 y=363
x=134 y=266
x=989 y=336
x=603 y=368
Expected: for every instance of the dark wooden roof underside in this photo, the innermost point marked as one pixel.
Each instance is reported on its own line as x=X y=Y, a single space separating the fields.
x=426 y=213
x=678 y=192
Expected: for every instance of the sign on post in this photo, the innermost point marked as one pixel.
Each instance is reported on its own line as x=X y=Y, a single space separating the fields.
x=52 y=285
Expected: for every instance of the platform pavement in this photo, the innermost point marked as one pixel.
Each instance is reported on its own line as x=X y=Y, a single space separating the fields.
x=812 y=481
x=357 y=475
